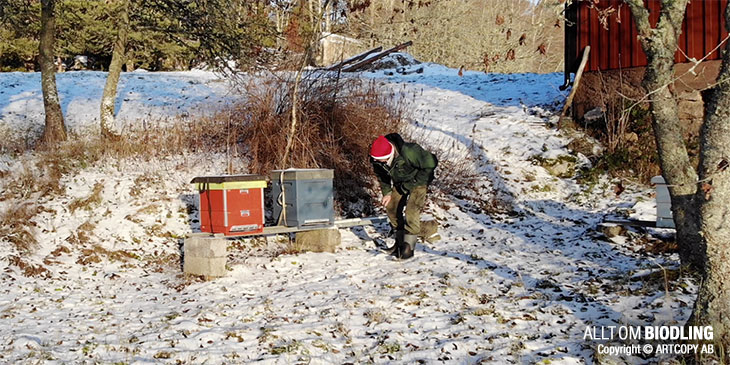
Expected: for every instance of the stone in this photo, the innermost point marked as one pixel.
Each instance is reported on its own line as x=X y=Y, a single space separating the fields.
x=205 y=246
x=595 y=115
x=205 y=266
x=612 y=230
x=561 y=169
x=205 y=255
x=318 y=240
x=429 y=231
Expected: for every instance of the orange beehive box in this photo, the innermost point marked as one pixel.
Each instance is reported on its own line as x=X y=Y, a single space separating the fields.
x=231 y=204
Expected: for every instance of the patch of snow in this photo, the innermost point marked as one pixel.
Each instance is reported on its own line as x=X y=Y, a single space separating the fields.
x=498 y=288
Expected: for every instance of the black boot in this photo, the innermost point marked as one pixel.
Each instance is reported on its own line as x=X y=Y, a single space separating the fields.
x=405 y=250
x=399 y=237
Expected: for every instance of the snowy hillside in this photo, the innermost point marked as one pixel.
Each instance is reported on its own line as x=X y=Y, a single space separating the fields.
x=518 y=287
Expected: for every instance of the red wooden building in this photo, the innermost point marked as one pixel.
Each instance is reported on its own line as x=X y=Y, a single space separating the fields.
x=615 y=44
x=616 y=48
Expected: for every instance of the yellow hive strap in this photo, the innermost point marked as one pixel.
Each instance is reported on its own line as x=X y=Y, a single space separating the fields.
x=231 y=185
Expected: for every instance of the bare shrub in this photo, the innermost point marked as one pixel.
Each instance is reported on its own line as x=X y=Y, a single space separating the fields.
x=338 y=119
x=458 y=176
x=627 y=133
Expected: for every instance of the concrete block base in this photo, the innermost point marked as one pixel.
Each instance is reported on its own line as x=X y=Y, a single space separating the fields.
x=205 y=246
x=205 y=266
x=205 y=256
x=320 y=240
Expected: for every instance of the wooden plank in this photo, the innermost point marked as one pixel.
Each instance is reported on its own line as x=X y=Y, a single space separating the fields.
x=694 y=26
x=355 y=58
x=584 y=17
x=378 y=56
x=604 y=51
x=630 y=222
x=354 y=222
x=723 y=31
x=655 y=8
x=626 y=41
x=273 y=230
x=594 y=38
x=709 y=27
x=682 y=41
x=636 y=51
x=576 y=83
x=614 y=35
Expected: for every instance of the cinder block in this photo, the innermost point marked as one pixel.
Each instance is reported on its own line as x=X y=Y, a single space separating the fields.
x=320 y=240
x=205 y=246
x=206 y=266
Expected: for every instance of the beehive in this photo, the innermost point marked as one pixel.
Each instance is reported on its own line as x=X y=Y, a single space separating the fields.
x=231 y=204
x=303 y=197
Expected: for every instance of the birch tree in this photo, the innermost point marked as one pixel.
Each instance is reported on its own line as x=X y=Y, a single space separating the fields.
x=106 y=117
x=700 y=200
x=713 y=198
x=659 y=45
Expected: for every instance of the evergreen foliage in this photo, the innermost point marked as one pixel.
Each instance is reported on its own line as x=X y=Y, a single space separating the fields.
x=165 y=35
x=19 y=34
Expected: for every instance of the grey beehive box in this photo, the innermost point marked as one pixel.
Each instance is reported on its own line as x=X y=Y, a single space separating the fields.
x=306 y=195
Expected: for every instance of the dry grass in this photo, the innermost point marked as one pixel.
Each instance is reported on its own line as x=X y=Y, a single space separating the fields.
x=92 y=201
x=94 y=255
x=29 y=270
x=16 y=226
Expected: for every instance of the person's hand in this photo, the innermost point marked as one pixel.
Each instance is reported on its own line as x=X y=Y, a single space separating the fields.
x=385 y=200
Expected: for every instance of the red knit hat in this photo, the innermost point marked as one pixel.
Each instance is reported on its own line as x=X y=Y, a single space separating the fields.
x=382 y=149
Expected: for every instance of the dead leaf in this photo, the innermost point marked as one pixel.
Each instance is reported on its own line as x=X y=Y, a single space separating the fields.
x=618 y=188
x=542 y=48
x=510 y=55
x=707 y=189
x=722 y=166
x=499 y=20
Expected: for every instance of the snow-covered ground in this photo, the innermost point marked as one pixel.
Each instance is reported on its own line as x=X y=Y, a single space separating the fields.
x=142 y=96
x=506 y=288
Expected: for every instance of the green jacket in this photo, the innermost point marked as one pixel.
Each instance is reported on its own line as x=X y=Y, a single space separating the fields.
x=412 y=166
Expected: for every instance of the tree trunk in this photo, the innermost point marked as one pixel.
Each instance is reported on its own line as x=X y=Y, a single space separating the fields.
x=712 y=307
x=55 y=129
x=107 y=124
x=659 y=45
x=673 y=157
